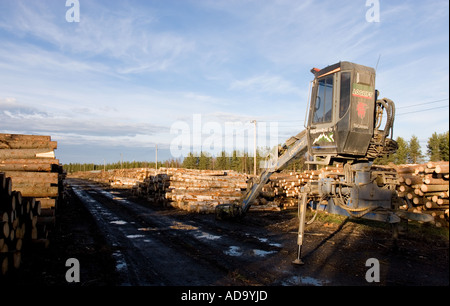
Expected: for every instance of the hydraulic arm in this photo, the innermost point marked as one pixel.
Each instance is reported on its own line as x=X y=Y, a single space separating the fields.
x=297 y=147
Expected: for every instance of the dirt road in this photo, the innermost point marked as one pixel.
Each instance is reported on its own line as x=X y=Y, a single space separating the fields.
x=152 y=245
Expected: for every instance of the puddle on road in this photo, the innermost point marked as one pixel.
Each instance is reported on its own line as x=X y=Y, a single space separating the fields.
x=262 y=253
x=233 y=251
x=118 y=222
x=265 y=240
x=303 y=280
x=237 y=251
x=207 y=236
x=134 y=236
x=120 y=261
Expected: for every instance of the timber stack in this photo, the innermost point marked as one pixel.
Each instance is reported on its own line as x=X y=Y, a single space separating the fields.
x=425 y=187
x=30 y=162
x=19 y=225
x=32 y=187
x=283 y=189
x=192 y=190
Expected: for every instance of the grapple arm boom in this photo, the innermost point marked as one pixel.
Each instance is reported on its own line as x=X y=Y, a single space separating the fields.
x=296 y=147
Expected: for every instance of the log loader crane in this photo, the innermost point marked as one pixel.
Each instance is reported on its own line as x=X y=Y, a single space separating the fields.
x=347 y=124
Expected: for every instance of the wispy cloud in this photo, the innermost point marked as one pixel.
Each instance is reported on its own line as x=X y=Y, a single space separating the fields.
x=265 y=84
x=118 y=32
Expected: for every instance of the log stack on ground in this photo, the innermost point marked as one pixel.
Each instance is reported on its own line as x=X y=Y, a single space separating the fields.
x=425 y=187
x=33 y=185
x=192 y=190
x=283 y=189
x=30 y=162
x=19 y=225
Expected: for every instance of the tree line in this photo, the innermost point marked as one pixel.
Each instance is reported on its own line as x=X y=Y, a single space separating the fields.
x=74 y=167
x=408 y=152
x=238 y=161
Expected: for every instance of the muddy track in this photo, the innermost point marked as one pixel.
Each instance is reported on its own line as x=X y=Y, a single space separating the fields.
x=161 y=246
x=156 y=249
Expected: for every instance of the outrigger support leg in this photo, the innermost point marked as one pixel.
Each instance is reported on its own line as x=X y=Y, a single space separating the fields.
x=301 y=226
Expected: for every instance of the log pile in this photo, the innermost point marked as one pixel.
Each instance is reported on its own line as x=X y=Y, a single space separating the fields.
x=19 y=224
x=117 y=178
x=127 y=178
x=283 y=189
x=192 y=190
x=31 y=183
x=426 y=188
x=30 y=162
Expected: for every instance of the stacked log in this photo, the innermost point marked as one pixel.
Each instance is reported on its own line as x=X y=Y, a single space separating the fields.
x=426 y=188
x=31 y=184
x=18 y=224
x=283 y=189
x=192 y=190
x=127 y=178
x=30 y=161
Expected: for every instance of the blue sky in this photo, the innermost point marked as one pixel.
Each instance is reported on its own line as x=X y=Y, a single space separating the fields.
x=117 y=81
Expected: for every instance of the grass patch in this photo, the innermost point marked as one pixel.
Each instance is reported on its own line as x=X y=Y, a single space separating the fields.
x=414 y=229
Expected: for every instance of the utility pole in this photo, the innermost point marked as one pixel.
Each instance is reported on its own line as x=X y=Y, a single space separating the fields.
x=254 y=149
x=156 y=156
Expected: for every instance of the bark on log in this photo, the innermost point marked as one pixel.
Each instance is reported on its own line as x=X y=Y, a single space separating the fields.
x=21 y=177
x=26 y=153
x=28 y=144
x=36 y=167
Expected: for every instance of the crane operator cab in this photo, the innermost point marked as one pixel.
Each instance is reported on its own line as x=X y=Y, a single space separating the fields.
x=344 y=115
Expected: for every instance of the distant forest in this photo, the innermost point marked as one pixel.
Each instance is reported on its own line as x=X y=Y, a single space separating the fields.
x=409 y=152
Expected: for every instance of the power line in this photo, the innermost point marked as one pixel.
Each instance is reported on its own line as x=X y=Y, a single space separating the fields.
x=422 y=110
x=436 y=101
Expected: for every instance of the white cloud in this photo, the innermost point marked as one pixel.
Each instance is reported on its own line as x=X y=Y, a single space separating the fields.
x=265 y=84
x=123 y=34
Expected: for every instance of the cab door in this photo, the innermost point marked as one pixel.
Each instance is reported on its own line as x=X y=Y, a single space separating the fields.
x=322 y=118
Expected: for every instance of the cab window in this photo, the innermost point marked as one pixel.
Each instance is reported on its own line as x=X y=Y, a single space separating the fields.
x=345 y=93
x=323 y=105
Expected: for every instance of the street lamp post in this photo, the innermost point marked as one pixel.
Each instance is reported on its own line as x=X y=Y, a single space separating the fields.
x=254 y=149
